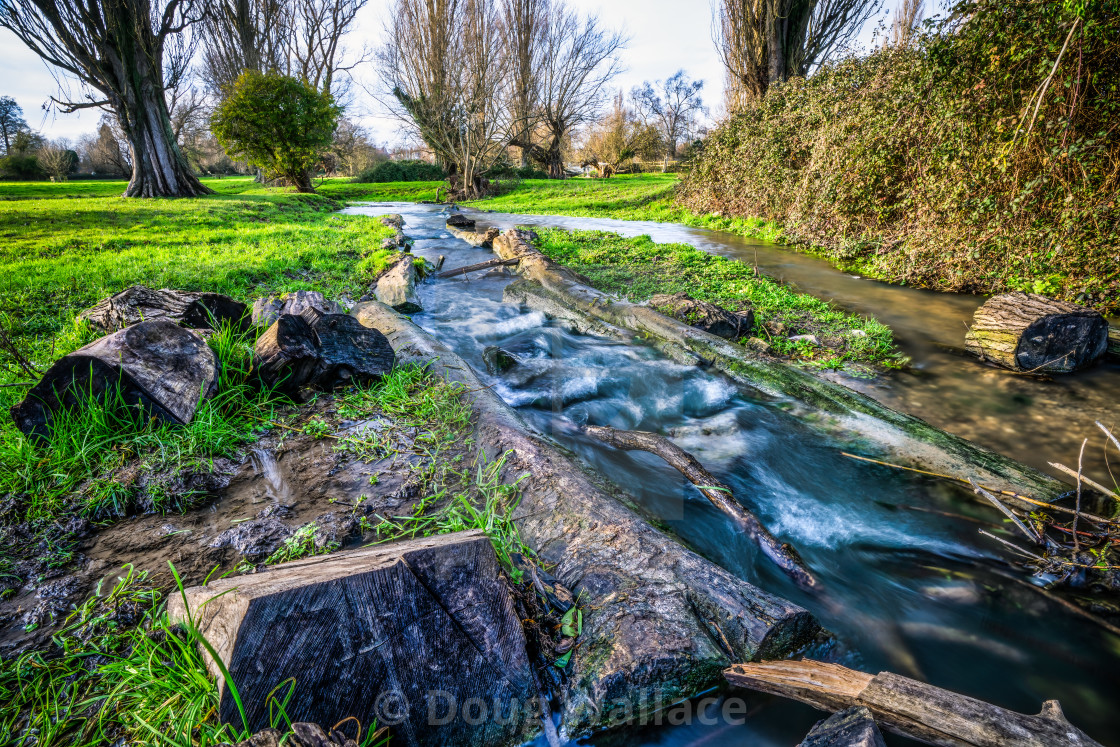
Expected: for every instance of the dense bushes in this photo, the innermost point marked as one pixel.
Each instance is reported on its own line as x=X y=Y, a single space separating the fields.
x=401 y=171
x=958 y=162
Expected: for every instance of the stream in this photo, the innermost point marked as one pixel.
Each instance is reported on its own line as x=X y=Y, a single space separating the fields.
x=912 y=587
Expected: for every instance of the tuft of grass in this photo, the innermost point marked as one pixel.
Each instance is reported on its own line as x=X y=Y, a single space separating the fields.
x=638 y=268
x=304 y=543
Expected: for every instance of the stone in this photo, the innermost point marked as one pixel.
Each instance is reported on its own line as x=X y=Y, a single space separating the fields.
x=853 y=727
x=458 y=220
x=498 y=360
x=396 y=286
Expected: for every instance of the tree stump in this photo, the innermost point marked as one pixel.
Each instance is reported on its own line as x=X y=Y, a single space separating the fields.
x=420 y=635
x=1029 y=332
x=396 y=286
x=703 y=315
x=321 y=350
x=139 y=303
x=854 y=727
x=157 y=367
x=268 y=310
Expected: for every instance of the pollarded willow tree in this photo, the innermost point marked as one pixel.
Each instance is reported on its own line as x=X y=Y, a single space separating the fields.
x=762 y=42
x=117 y=48
x=445 y=64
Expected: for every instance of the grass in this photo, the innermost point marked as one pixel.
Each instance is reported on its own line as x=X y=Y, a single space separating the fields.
x=638 y=268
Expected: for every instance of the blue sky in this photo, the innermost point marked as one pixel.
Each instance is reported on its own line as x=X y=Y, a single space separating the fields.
x=665 y=35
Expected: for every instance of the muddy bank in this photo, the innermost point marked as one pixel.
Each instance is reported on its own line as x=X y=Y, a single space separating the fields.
x=660 y=618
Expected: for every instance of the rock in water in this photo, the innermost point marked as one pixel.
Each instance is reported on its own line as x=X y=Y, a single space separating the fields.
x=140 y=304
x=1029 y=332
x=396 y=286
x=498 y=360
x=393 y=220
x=704 y=315
x=854 y=727
x=421 y=635
x=322 y=350
x=458 y=220
x=158 y=367
x=268 y=310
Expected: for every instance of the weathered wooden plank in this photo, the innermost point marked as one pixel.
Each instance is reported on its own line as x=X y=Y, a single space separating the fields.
x=160 y=368
x=911 y=708
x=396 y=632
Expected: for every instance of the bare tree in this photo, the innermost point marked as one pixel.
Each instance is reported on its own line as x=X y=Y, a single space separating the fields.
x=57 y=159
x=445 y=63
x=301 y=38
x=618 y=138
x=673 y=104
x=579 y=59
x=762 y=42
x=117 y=48
x=525 y=29
x=906 y=19
x=11 y=121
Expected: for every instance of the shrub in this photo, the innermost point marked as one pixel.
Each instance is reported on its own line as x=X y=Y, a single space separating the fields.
x=927 y=164
x=20 y=167
x=401 y=171
x=277 y=123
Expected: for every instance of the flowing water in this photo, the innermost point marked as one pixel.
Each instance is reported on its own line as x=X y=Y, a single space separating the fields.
x=912 y=586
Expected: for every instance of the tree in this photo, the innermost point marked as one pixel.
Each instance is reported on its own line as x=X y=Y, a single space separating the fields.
x=905 y=22
x=300 y=38
x=618 y=138
x=278 y=123
x=762 y=42
x=445 y=65
x=674 y=105
x=57 y=160
x=117 y=48
x=11 y=121
x=525 y=37
x=579 y=58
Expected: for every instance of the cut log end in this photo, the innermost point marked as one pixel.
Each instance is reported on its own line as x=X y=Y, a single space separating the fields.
x=1031 y=333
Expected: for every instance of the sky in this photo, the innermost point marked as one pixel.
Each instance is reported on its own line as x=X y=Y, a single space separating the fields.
x=665 y=35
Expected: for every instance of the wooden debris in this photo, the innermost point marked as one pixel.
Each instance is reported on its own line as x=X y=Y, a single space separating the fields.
x=157 y=367
x=478 y=266
x=139 y=303
x=411 y=632
x=1114 y=342
x=910 y=708
x=268 y=310
x=484 y=240
x=720 y=496
x=853 y=727
x=321 y=350
x=1032 y=333
x=703 y=315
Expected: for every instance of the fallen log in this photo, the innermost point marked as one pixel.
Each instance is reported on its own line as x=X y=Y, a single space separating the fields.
x=396 y=285
x=720 y=496
x=910 y=708
x=658 y=618
x=268 y=310
x=703 y=315
x=853 y=727
x=829 y=407
x=158 y=368
x=320 y=350
x=483 y=240
x=140 y=303
x=1033 y=333
x=409 y=633
x=1114 y=342
x=477 y=266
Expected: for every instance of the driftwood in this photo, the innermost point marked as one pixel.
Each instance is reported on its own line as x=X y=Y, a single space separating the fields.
x=720 y=496
x=477 y=266
x=268 y=310
x=396 y=286
x=139 y=303
x=706 y=316
x=321 y=350
x=910 y=708
x=853 y=727
x=158 y=367
x=658 y=618
x=837 y=411
x=1033 y=333
x=1114 y=342
x=458 y=220
x=409 y=631
x=483 y=240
